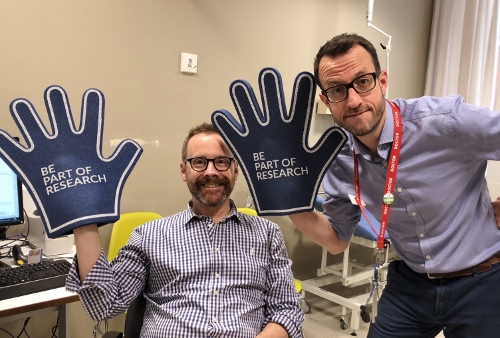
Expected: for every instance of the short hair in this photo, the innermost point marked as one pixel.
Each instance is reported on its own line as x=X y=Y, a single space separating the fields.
x=206 y=128
x=340 y=45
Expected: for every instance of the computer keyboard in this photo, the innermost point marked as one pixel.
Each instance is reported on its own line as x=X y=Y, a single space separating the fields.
x=31 y=278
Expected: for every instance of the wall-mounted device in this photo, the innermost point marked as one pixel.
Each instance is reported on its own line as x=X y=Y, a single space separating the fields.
x=388 y=46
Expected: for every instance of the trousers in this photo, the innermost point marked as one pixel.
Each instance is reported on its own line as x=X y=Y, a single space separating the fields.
x=413 y=305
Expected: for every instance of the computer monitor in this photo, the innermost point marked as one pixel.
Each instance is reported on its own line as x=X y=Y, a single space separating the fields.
x=11 y=199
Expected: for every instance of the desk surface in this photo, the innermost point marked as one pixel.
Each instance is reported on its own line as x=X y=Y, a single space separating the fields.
x=36 y=301
x=33 y=301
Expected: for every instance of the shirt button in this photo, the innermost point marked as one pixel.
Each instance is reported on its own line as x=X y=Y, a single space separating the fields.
x=422 y=235
x=414 y=214
x=214 y=319
x=399 y=189
x=217 y=275
x=428 y=257
x=217 y=249
x=216 y=293
x=384 y=164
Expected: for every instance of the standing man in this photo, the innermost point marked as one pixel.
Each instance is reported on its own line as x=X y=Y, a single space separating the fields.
x=441 y=221
x=208 y=271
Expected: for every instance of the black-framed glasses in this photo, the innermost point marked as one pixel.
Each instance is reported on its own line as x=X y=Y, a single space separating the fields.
x=362 y=84
x=221 y=163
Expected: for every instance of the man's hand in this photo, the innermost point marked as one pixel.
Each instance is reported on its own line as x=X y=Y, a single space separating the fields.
x=271 y=145
x=496 y=210
x=69 y=180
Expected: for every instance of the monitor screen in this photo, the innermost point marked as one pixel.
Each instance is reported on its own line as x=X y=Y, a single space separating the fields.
x=11 y=199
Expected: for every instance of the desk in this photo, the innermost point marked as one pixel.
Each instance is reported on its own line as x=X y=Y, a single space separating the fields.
x=39 y=302
x=32 y=304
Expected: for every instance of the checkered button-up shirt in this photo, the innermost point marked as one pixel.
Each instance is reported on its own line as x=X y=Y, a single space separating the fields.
x=200 y=279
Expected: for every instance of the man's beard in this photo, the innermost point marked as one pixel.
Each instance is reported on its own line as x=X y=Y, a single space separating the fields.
x=375 y=121
x=211 y=200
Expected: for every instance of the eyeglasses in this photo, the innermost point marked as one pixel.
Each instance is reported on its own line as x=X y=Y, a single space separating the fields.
x=361 y=84
x=221 y=163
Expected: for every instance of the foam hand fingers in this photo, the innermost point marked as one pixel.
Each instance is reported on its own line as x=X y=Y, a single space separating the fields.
x=303 y=98
x=271 y=90
x=93 y=115
x=28 y=122
x=329 y=144
x=68 y=178
x=57 y=103
x=283 y=172
x=124 y=158
x=246 y=105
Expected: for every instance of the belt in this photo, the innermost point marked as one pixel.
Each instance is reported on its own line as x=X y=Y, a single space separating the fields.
x=481 y=267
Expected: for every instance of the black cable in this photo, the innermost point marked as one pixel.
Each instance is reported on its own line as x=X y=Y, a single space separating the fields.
x=27 y=223
x=10 y=334
x=8 y=246
x=24 y=328
x=22 y=238
x=55 y=327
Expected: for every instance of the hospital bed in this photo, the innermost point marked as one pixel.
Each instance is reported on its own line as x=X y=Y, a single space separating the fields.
x=349 y=273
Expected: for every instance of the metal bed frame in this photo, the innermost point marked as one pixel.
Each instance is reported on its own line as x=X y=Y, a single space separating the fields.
x=349 y=273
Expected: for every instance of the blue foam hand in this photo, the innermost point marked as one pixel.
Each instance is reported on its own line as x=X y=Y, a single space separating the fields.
x=271 y=145
x=65 y=173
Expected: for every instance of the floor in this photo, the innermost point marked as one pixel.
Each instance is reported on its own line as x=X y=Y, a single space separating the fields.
x=324 y=320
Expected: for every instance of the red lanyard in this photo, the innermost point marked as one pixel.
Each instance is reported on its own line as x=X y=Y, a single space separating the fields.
x=392 y=168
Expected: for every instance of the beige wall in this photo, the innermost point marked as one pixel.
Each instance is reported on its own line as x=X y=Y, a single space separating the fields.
x=130 y=50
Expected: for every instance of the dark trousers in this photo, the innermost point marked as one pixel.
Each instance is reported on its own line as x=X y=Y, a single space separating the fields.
x=412 y=305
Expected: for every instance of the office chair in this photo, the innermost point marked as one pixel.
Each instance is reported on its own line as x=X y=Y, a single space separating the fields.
x=122 y=229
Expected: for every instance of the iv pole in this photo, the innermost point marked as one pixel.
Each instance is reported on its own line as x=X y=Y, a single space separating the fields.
x=369 y=15
x=378 y=273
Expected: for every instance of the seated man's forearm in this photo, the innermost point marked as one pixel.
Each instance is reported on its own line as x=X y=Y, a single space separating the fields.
x=88 y=248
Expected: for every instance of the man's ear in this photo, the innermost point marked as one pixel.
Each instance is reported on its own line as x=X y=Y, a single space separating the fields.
x=236 y=170
x=183 y=171
x=383 y=80
x=324 y=99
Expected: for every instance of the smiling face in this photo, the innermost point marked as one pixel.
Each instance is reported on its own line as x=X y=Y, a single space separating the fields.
x=360 y=114
x=210 y=188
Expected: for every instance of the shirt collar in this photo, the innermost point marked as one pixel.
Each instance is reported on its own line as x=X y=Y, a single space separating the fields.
x=192 y=215
x=384 y=143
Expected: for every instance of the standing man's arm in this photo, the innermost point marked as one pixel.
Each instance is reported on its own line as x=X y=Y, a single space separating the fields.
x=317 y=227
x=273 y=330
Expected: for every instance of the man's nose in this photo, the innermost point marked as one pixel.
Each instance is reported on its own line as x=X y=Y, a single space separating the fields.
x=211 y=169
x=353 y=98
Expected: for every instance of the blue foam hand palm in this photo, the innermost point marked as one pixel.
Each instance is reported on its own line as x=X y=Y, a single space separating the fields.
x=69 y=180
x=271 y=145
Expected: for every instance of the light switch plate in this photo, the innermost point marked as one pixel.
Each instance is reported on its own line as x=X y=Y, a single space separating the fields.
x=189 y=63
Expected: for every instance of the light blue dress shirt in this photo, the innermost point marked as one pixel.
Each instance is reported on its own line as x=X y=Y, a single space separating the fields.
x=200 y=279
x=441 y=219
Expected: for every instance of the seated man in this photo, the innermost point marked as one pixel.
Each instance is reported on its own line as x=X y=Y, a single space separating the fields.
x=207 y=271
